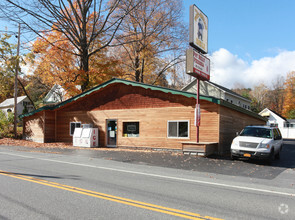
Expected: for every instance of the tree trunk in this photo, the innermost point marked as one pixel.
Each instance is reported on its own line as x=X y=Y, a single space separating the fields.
x=84 y=66
x=142 y=70
x=25 y=91
x=137 y=71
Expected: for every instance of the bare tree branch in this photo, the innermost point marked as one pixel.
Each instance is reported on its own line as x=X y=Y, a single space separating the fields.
x=82 y=22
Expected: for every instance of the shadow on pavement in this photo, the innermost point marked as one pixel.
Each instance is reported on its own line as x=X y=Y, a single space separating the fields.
x=287 y=157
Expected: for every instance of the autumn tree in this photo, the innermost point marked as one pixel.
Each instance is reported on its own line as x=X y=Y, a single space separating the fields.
x=259 y=97
x=275 y=99
x=36 y=88
x=241 y=90
x=7 y=65
x=52 y=64
x=152 y=38
x=80 y=22
x=289 y=103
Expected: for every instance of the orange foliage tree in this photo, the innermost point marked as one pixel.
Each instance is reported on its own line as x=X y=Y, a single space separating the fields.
x=86 y=28
x=153 y=40
x=56 y=64
x=289 y=104
x=56 y=59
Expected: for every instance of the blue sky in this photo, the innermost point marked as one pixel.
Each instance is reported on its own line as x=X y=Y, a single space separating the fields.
x=249 y=41
x=249 y=28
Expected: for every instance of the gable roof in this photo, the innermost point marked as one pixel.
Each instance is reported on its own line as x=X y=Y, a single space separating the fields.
x=145 y=86
x=10 y=102
x=56 y=89
x=219 y=87
x=267 y=110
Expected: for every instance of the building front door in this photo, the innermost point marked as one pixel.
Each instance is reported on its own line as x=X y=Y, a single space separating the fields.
x=111 y=133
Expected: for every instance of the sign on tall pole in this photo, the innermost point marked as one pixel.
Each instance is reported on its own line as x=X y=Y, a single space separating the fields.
x=198 y=34
x=197 y=65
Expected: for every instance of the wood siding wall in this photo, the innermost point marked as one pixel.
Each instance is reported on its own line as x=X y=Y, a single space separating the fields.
x=33 y=127
x=153 y=124
x=232 y=121
x=152 y=109
x=121 y=96
x=49 y=126
x=209 y=127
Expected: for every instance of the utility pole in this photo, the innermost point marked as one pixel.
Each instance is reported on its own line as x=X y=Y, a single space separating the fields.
x=15 y=83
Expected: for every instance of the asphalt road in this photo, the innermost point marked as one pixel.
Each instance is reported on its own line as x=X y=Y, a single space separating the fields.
x=91 y=184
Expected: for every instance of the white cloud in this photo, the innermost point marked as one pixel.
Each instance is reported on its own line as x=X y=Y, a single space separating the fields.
x=228 y=69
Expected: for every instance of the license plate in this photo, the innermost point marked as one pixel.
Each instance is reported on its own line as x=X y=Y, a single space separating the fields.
x=247 y=155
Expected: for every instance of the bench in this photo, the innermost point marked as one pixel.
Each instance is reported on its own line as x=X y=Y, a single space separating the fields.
x=199 y=149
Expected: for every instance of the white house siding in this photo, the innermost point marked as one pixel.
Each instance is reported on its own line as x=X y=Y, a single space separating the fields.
x=288 y=133
x=9 y=104
x=237 y=101
x=278 y=121
x=216 y=91
x=206 y=90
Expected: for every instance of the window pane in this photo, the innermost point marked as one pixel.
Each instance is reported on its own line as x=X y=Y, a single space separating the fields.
x=172 y=129
x=131 y=129
x=183 y=129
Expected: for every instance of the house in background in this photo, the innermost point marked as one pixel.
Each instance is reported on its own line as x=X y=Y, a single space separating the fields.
x=286 y=126
x=208 y=88
x=23 y=102
x=56 y=95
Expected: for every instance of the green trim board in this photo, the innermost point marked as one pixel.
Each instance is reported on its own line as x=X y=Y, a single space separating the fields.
x=145 y=86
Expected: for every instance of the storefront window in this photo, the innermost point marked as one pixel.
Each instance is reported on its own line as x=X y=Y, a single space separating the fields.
x=178 y=129
x=130 y=129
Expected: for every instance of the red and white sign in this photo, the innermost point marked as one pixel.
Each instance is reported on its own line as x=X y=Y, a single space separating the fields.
x=197 y=65
x=197 y=115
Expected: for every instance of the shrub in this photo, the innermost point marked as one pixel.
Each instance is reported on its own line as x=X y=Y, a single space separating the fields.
x=6 y=124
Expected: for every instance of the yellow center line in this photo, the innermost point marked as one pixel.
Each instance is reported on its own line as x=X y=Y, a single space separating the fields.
x=148 y=206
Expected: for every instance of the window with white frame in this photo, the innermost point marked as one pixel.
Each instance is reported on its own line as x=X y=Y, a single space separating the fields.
x=178 y=129
x=74 y=125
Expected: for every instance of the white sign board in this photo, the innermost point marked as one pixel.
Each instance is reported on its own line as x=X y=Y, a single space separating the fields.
x=197 y=65
x=198 y=32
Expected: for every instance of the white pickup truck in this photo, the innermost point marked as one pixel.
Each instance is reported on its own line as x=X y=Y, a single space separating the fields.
x=259 y=142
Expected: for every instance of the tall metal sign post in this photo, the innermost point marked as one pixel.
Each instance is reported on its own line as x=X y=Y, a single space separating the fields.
x=197 y=65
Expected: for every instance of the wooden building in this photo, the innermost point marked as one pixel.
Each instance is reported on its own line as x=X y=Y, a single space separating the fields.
x=139 y=115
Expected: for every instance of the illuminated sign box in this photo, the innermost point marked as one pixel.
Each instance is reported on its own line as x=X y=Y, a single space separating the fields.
x=197 y=65
x=198 y=33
